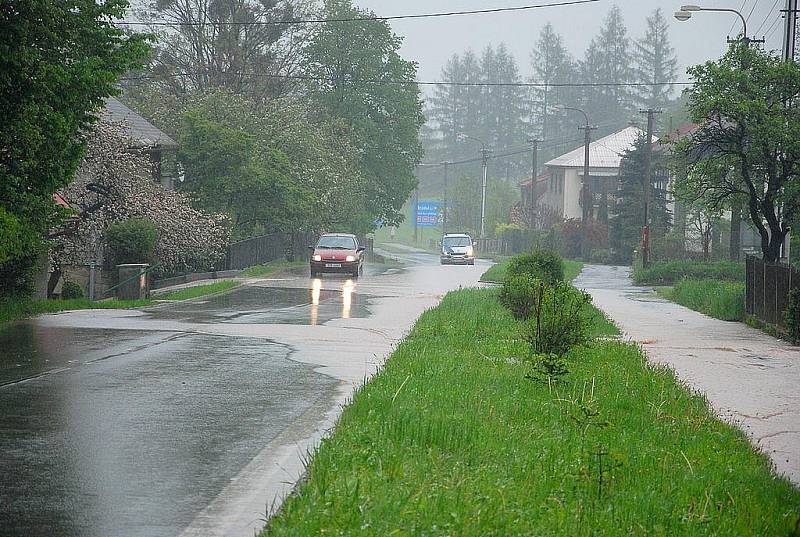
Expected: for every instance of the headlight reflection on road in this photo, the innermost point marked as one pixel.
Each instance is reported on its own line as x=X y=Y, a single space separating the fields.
x=347 y=298
x=316 y=288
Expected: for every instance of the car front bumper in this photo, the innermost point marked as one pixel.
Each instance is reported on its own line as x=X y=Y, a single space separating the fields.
x=340 y=267
x=457 y=260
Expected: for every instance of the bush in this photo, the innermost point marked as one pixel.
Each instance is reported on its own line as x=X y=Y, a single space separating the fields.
x=791 y=317
x=132 y=241
x=541 y=264
x=560 y=319
x=669 y=272
x=71 y=290
x=517 y=294
x=601 y=256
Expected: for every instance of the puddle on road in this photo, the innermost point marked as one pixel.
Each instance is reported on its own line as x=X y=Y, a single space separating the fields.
x=255 y=304
x=28 y=349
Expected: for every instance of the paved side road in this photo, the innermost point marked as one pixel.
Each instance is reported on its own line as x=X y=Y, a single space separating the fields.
x=750 y=378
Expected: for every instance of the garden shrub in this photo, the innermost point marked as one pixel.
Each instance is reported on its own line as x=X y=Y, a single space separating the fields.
x=71 y=290
x=559 y=319
x=791 y=316
x=132 y=241
x=541 y=264
x=517 y=294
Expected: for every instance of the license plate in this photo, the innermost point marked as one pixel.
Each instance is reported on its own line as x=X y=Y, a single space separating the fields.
x=333 y=265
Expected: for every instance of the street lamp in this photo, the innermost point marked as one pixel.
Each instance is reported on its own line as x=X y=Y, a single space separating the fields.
x=585 y=194
x=484 y=166
x=685 y=13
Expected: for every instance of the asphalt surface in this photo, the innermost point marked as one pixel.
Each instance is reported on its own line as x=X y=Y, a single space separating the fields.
x=191 y=418
x=748 y=377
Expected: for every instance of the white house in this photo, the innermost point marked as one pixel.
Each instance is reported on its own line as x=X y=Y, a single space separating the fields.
x=563 y=188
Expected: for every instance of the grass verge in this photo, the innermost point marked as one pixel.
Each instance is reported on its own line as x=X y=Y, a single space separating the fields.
x=670 y=272
x=272 y=267
x=497 y=272
x=29 y=307
x=451 y=438
x=200 y=290
x=719 y=299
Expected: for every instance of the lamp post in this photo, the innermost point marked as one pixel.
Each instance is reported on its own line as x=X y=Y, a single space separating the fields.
x=484 y=166
x=585 y=194
x=685 y=13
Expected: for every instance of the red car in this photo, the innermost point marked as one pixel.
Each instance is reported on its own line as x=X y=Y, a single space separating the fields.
x=337 y=252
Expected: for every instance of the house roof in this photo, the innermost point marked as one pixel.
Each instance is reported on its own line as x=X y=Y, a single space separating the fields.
x=141 y=131
x=540 y=179
x=603 y=153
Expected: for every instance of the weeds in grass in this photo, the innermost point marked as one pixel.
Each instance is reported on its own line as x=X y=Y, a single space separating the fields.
x=720 y=299
x=670 y=272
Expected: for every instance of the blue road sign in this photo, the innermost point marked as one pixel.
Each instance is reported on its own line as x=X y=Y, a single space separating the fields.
x=428 y=213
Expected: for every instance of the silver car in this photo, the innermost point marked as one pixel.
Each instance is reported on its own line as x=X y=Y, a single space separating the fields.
x=457 y=249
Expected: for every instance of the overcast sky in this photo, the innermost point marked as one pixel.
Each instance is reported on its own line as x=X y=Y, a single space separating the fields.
x=430 y=42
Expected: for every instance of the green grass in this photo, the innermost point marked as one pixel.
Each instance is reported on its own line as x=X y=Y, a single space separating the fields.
x=497 y=272
x=716 y=298
x=272 y=267
x=29 y=307
x=451 y=438
x=200 y=290
x=670 y=272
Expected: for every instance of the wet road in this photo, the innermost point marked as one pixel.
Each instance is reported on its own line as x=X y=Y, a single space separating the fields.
x=750 y=378
x=190 y=418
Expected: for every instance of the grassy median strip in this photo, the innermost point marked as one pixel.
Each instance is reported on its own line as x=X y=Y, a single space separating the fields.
x=497 y=272
x=29 y=307
x=452 y=437
x=200 y=290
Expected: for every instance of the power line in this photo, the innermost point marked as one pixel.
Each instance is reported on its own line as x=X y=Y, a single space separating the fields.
x=419 y=83
x=766 y=17
x=747 y=19
x=360 y=19
x=772 y=28
x=733 y=24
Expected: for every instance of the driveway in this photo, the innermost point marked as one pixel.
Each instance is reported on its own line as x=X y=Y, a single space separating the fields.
x=749 y=378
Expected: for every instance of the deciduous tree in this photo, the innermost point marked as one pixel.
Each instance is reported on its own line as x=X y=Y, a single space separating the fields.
x=746 y=107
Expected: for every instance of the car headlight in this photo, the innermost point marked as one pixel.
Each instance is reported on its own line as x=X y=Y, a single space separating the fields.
x=350 y=258
x=469 y=252
x=317 y=257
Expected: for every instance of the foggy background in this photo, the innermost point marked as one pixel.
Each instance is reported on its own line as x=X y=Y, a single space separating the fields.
x=431 y=41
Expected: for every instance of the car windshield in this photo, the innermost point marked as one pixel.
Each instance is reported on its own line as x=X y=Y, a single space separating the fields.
x=333 y=242
x=456 y=241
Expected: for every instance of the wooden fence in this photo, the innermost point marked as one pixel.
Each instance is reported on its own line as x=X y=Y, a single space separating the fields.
x=266 y=248
x=492 y=246
x=768 y=287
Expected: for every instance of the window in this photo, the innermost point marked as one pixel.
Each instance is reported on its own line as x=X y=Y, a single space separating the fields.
x=336 y=242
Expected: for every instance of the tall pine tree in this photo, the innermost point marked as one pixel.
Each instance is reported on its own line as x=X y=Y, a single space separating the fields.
x=608 y=60
x=655 y=62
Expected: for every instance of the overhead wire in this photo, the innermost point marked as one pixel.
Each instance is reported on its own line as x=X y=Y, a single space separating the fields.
x=360 y=19
x=418 y=82
x=767 y=17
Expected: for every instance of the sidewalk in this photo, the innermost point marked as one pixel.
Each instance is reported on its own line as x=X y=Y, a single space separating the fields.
x=750 y=378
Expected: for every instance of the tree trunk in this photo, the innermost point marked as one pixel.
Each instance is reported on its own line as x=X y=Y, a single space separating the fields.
x=736 y=231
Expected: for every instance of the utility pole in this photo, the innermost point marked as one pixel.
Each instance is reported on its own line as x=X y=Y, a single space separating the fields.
x=789 y=45
x=534 y=156
x=648 y=182
x=586 y=215
x=484 y=167
x=444 y=204
x=416 y=215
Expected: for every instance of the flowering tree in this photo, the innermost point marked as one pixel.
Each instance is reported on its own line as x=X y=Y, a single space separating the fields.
x=115 y=183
